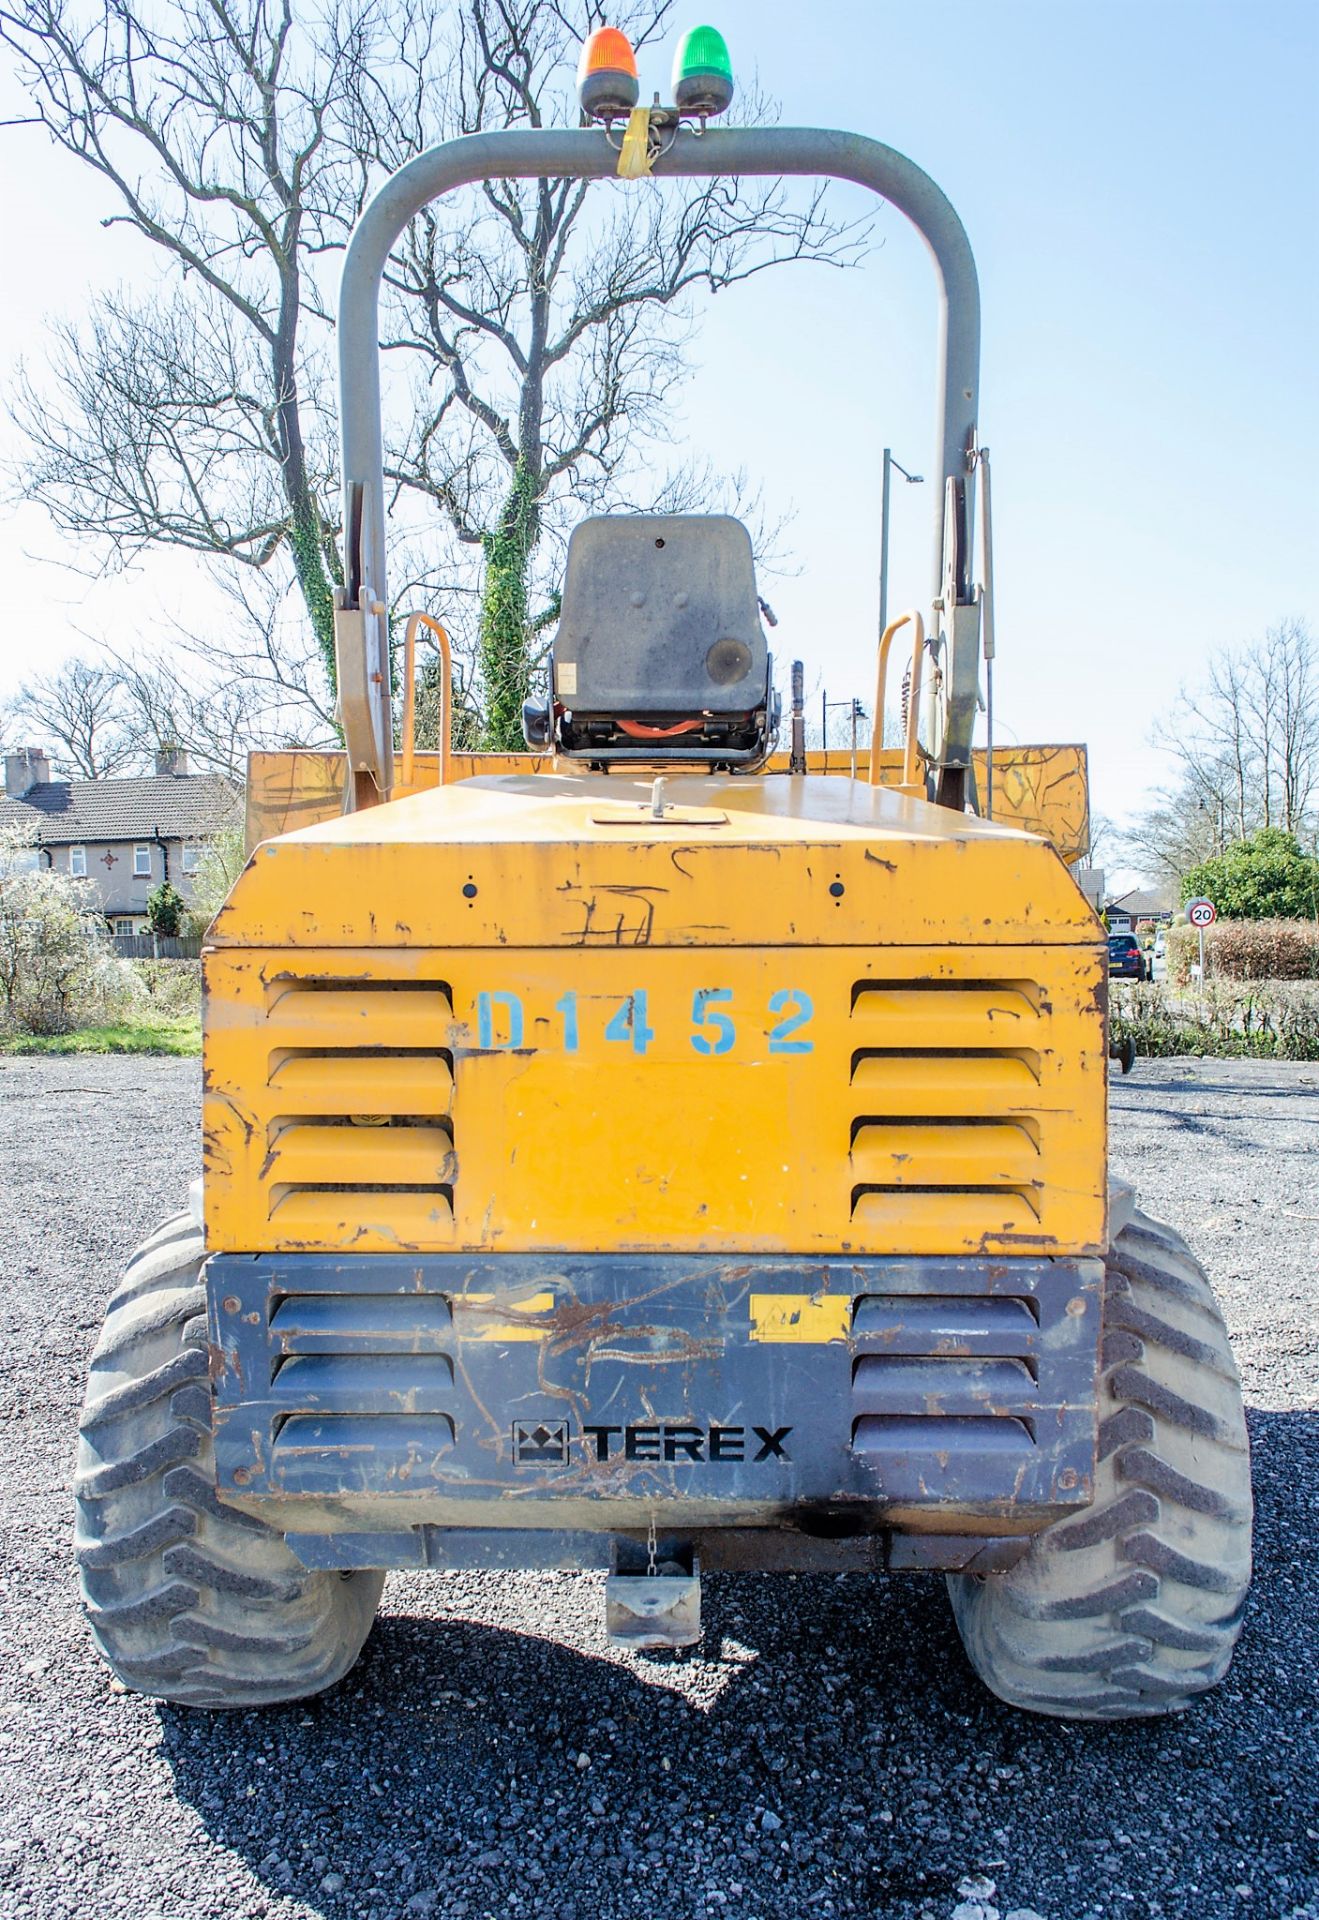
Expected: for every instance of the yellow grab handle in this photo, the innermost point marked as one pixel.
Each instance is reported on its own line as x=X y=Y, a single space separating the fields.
x=409 y=742
x=911 y=755
x=911 y=758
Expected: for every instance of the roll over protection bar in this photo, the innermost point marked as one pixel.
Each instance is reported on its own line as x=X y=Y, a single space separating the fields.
x=361 y=616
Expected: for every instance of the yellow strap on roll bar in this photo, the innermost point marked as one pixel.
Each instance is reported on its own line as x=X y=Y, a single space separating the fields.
x=409 y=741
x=635 y=159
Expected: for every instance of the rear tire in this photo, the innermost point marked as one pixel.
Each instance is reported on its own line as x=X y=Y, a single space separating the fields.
x=1133 y=1608
x=190 y=1600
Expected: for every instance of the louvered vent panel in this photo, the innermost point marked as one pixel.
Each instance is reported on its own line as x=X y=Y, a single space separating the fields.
x=947 y=1323
x=361 y=1013
x=947 y=1127
x=362 y=1323
x=327 y=1153
x=360 y=1140
x=944 y=1013
x=356 y=1081
x=946 y=1391
x=935 y=1100
x=359 y=1378
x=980 y=1152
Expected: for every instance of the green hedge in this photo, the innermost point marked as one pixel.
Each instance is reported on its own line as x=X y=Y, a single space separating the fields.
x=1247 y=950
x=1266 y=1020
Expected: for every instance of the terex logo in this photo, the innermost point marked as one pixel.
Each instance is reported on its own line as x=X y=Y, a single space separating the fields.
x=677 y=1443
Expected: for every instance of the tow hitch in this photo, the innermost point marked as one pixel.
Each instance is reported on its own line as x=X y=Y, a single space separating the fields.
x=653 y=1594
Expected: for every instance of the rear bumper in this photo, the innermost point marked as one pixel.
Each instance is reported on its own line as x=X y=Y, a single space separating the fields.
x=523 y=1410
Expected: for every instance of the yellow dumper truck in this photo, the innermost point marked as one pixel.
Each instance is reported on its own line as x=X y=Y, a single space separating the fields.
x=662 y=1157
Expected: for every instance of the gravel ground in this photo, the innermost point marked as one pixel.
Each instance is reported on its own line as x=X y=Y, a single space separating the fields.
x=826 y=1751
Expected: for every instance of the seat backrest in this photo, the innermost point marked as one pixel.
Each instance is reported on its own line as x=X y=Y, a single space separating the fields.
x=660 y=615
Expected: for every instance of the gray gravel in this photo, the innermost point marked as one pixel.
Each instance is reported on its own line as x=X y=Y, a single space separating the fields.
x=826 y=1751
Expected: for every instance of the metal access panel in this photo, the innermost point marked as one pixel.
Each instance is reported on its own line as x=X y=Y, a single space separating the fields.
x=660 y=615
x=362 y=1403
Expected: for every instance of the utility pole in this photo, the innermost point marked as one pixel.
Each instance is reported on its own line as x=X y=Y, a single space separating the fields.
x=912 y=480
x=856 y=713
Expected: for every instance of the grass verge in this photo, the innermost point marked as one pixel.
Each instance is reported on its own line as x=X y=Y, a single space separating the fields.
x=125 y=1036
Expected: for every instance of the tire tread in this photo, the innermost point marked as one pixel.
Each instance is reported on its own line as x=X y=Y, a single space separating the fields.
x=1133 y=1608
x=188 y=1599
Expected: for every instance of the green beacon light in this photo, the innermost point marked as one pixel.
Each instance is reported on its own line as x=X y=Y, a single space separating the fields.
x=702 y=73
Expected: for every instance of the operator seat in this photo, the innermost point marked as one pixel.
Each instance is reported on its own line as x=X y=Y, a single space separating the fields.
x=659 y=651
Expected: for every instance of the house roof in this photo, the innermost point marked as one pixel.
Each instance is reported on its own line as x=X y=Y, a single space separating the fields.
x=1143 y=901
x=177 y=806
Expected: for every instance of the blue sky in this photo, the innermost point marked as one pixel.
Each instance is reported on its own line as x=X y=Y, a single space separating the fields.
x=1139 y=182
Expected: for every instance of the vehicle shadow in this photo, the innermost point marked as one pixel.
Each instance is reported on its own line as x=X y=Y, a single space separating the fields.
x=826 y=1750
x=1209 y=1076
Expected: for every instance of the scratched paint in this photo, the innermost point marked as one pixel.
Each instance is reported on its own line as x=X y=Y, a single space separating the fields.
x=804 y=1318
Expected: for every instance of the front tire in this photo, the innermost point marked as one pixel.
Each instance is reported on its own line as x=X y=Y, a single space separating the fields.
x=1133 y=1608
x=190 y=1600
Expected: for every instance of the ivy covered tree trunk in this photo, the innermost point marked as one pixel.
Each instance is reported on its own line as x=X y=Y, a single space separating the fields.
x=317 y=576
x=505 y=625
x=315 y=557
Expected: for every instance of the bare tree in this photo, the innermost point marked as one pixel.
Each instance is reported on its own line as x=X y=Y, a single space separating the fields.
x=1294 y=675
x=194 y=419
x=172 y=447
x=552 y=320
x=1209 y=730
x=252 y=684
x=547 y=324
x=1106 y=840
x=258 y=686
x=80 y=713
x=1246 y=741
x=1178 y=828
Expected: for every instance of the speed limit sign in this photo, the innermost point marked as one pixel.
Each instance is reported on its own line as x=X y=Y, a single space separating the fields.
x=1201 y=913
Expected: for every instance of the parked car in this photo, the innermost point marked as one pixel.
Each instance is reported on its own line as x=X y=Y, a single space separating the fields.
x=1159 y=957
x=1125 y=959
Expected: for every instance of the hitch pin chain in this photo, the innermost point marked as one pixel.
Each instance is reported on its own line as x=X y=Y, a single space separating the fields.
x=651 y=1550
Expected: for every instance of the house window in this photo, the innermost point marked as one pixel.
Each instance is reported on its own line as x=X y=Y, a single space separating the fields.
x=142 y=863
x=78 y=862
x=122 y=926
x=192 y=859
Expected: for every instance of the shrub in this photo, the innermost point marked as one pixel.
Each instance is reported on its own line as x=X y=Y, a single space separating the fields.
x=165 y=910
x=173 y=988
x=1260 y=878
x=1271 y=1020
x=223 y=858
x=1247 y=950
x=1183 y=951
x=57 y=970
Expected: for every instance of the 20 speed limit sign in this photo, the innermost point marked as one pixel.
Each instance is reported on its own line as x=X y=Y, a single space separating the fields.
x=1201 y=913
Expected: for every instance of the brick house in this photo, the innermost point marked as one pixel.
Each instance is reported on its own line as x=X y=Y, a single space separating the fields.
x=1149 y=903
x=123 y=836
